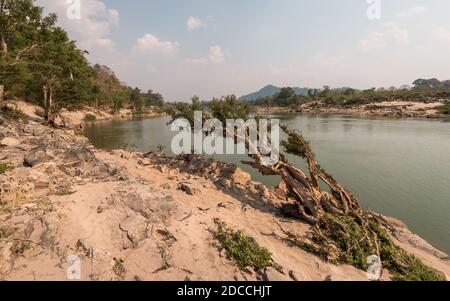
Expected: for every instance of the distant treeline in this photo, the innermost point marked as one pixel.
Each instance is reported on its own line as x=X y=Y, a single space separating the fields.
x=423 y=90
x=39 y=63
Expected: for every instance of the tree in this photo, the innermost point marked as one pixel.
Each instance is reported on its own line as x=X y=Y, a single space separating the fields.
x=19 y=22
x=62 y=71
x=136 y=100
x=342 y=230
x=153 y=99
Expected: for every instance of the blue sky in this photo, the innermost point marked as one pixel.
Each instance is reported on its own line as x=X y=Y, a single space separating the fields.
x=218 y=47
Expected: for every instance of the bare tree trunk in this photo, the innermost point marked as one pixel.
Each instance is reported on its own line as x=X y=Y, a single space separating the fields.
x=4 y=45
x=2 y=93
x=313 y=203
x=46 y=112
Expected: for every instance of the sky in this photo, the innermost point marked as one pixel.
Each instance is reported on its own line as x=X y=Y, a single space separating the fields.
x=213 y=48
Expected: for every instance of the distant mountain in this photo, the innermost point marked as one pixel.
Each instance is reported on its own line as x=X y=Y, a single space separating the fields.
x=271 y=90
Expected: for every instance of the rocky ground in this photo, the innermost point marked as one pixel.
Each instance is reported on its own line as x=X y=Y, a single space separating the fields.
x=133 y=216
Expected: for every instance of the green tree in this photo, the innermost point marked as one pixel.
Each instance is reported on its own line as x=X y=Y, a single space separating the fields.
x=20 y=22
x=136 y=100
x=153 y=99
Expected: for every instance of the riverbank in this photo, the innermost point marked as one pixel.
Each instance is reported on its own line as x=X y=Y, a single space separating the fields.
x=74 y=119
x=135 y=217
x=402 y=109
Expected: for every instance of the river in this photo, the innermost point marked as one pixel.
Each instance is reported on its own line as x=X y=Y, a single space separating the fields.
x=397 y=167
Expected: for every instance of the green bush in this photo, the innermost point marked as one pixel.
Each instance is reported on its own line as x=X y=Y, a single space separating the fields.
x=445 y=109
x=243 y=249
x=89 y=118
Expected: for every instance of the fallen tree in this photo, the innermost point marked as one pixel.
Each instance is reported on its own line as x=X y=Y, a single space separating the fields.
x=342 y=231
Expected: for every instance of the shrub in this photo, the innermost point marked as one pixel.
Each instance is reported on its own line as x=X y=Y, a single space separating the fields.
x=89 y=118
x=445 y=109
x=12 y=113
x=243 y=249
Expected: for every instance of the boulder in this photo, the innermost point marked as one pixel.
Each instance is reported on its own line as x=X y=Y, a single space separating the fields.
x=37 y=155
x=189 y=188
x=80 y=152
x=241 y=178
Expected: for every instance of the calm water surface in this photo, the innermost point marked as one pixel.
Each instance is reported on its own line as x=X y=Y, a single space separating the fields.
x=398 y=167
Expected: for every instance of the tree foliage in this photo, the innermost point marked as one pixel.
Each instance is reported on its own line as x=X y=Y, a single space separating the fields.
x=41 y=64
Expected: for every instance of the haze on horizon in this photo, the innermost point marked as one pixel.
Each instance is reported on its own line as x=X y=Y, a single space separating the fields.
x=216 y=47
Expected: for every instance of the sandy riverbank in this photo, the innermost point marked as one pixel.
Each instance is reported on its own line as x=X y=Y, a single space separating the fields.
x=73 y=119
x=135 y=217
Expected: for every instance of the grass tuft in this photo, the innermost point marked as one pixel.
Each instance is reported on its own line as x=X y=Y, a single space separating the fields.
x=19 y=247
x=12 y=113
x=5 y=166
x=243 y=249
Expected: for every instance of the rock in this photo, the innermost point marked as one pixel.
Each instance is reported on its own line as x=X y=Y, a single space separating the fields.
x=226 y=205
x=121 y=153
x=189 y=188
x=6 y=187
x=135 y=228
x=162 y=169
x=80 y=152
x=82 y=247
x=270 y=274
x=6 y=259
x=240 y=177
x=9 y=141
x=293 y=276
x=39 y=179
x=37 y=156
x=144 y=162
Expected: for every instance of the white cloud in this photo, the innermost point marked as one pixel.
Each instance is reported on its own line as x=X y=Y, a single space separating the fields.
x=92 y=30
x=194 y=23
x=412 y=12
x=392 y=34
x=216 y=54
x=321 y=59
x=399 y=34
x=150 y=43
x=105 y=43
x=374 y=40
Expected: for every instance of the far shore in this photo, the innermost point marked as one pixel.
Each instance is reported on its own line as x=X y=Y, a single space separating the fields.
x=399 y=109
